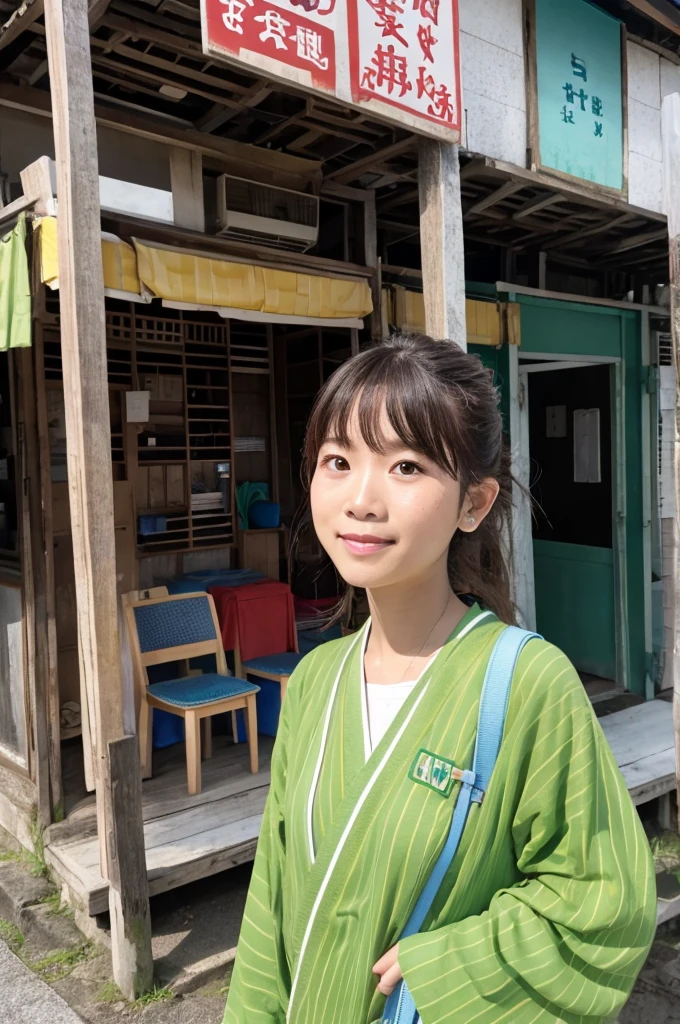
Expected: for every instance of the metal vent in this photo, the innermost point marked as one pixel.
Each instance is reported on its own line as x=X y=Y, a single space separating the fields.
x=665 y=342
x=265 y=201
x=254 y=212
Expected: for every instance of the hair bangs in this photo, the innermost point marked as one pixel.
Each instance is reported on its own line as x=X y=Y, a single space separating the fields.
x=401 y=390
x=442 y=403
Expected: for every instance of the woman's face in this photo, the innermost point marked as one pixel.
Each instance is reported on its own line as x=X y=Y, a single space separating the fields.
x=386 y=519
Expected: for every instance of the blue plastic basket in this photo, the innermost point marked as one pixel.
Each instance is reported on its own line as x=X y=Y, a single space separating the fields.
x=264 y=515
x=268 y=709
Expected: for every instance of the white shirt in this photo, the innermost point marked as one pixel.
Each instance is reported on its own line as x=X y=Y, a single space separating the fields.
x=384 y=702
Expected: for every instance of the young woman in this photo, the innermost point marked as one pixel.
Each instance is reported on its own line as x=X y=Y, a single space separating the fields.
x=548 y=909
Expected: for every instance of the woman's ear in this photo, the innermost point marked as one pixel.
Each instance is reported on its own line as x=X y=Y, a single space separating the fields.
x=477 y=504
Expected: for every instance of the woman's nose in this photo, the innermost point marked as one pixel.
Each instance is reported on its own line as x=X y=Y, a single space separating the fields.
x=364 y=501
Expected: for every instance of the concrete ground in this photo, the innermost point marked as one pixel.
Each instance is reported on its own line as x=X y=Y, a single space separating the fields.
x=190 y=926
x=26 y=999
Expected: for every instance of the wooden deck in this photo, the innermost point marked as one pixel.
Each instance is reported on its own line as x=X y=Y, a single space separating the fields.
x=193 y=837
x=187 y=837
x=642 y=742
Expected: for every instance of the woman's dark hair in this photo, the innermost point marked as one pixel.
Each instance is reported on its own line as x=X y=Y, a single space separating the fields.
x=441 y=402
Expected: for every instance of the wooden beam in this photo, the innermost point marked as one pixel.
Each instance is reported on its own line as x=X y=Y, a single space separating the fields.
x=37 y=181
x=579 y=193
x=218 y=116
x=13 y=210
x=96 y=11
x=635 y=241
x=186 y=177
x=34 y=602
x=576 y=236
x=246 y=161
x=24 y=16
x=670 y=136
x=534 y=205
x=371 y=258
x=441 y=234
x=508 y=189
x=88 y=437
x=669 y=20
x=344 y=175
x=129 y=886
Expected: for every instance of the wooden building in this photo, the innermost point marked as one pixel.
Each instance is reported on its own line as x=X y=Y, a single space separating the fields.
x=215 y=243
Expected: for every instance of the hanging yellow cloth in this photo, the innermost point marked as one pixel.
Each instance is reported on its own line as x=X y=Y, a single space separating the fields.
x=120 y=261
x=407 y=311
x=15 y=289
x=178 y=276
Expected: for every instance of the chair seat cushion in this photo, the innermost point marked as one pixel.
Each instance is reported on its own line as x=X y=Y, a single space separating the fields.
x=193 y=691
x=275 y=664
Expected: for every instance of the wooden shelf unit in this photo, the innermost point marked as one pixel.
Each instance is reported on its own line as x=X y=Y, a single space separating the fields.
x=183 y=359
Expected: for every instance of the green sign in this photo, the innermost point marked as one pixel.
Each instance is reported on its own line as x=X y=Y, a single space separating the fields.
x=580 y=107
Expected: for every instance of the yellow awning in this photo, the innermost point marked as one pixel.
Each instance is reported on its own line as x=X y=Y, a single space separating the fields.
x=178 y=276
x=192 y=280
x=407 y=313
x=120 y=261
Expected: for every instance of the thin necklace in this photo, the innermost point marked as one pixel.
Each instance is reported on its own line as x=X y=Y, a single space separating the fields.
x=427 y=638
x=408 y=667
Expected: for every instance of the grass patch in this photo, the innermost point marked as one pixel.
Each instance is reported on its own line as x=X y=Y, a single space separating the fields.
x=666 y=851
x=35 y=859
x=10 y=934
x=157 y=995
x=53 y=901
x=59 y=964
x=6 y=855
x=110 y=993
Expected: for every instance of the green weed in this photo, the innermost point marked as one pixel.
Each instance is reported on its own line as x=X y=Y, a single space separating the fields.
x=110 y=993
x=666 y=851
x=59 y=964
x=10 y=934
x=157 y=995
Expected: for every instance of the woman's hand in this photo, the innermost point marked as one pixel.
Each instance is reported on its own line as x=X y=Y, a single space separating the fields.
x=389 y=970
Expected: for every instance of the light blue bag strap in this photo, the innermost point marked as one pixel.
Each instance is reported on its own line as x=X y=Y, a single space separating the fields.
x=400 y=1007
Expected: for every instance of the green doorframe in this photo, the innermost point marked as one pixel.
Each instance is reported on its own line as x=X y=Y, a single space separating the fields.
x=576 y=329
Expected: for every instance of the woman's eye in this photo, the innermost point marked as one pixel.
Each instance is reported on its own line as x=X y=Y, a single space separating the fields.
x=336 y=464
x=407 y=469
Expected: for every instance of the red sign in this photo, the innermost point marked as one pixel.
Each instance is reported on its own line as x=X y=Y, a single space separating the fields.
x=256 y=26
x=398 y=59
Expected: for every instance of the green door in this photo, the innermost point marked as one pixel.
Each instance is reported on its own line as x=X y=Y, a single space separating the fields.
x=573 y=543
x=589 y=580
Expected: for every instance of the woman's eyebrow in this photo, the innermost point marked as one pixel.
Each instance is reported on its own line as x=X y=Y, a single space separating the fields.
x=337 y=442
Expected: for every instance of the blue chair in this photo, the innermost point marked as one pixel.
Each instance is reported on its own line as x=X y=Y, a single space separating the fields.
x=278 y=667
x=177 y=628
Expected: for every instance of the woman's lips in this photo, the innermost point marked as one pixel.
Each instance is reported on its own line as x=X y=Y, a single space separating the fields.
x=364 y=544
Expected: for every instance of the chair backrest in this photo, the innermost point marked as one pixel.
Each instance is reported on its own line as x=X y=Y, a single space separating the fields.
x=143 y=595
x=252 y=611
x=174 y=628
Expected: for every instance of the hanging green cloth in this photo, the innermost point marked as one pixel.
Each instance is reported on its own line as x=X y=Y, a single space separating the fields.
x=246 y=495
x=15 y=289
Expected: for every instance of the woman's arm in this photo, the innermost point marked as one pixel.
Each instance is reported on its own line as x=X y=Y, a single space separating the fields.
x=567 y=942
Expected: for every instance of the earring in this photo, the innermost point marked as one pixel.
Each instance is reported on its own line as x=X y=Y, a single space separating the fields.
x=471 y=520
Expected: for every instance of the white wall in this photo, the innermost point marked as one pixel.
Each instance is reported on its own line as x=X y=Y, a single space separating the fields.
x=494 y=101
x=26 y=137
x=650 y=78
x=492 y=64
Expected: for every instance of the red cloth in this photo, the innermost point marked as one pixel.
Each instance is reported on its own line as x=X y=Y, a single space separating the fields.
x=259 y=618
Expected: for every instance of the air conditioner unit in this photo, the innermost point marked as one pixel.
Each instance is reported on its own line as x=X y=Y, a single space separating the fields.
x=252 y=212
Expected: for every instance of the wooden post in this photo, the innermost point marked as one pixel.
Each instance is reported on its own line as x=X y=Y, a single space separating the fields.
x=441 y=241
x=670 y=129
x=371 y=259
x=34 y=582
x=186 y=176
x=88 y=436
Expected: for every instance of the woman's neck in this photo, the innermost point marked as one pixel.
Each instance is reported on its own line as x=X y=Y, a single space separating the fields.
x=408 y=624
